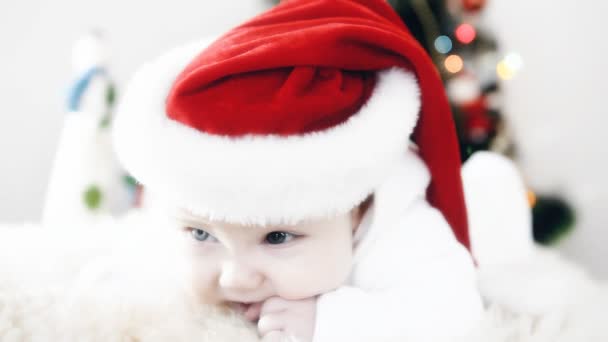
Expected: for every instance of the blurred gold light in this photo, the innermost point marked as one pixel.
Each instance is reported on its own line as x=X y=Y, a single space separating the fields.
x=509 y=66
x=531 y=198
x=504 y=71
x=453 y=63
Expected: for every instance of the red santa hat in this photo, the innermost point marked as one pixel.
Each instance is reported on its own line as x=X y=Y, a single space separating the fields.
x=298 y=113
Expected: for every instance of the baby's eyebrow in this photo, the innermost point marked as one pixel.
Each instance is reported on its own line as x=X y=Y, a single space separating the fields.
x=182 y=212
x=185 y=216
x=192 y=222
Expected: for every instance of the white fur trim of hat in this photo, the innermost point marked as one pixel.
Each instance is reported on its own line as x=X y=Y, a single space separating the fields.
x=258 y=179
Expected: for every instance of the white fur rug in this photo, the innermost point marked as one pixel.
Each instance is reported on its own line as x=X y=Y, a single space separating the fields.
x=119 y=280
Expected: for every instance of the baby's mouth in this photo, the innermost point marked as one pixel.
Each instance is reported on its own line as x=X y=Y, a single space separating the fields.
x=251 y=311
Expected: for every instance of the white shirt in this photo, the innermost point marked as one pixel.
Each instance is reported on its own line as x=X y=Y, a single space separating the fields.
x=411 y=279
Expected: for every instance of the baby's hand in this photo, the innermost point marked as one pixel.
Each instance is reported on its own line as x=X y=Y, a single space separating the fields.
x=287 y=320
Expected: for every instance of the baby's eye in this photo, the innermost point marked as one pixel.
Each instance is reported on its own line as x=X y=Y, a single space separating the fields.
x=277 y=238
x=202 y=235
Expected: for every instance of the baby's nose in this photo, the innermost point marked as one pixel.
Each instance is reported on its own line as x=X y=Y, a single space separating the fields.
x=239 y=276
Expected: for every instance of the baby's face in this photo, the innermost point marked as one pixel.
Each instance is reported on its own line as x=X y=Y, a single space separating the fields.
x=241 y=266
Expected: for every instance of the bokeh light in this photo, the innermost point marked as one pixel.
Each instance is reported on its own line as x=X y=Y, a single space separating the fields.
x=465 y=33
x=453 y=63
x=443 y=44
x=509 y=66
x=531 y=198
x=514 y=61
x=503 y=71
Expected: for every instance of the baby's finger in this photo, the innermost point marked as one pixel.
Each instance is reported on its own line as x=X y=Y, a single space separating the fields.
x=268 y=323
x=274 y=305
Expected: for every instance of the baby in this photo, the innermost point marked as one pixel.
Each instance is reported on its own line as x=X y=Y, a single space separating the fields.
x=271 y=274
x=284 y=149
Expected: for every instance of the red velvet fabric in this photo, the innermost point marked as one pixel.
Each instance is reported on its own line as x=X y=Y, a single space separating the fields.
x=307 y=65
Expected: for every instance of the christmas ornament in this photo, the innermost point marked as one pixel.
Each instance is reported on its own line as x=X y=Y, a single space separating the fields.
x=473 y=5
x=552 y=219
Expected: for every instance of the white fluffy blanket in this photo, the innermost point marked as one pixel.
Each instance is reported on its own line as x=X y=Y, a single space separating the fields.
x=115 y=281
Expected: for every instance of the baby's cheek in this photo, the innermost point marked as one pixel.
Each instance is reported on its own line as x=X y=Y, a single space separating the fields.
x=334 y=260
x=204 y=282
x=335 y=268
x=311 y=275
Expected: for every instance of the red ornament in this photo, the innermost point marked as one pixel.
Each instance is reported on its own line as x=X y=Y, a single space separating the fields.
x=473 y=5
x=478 y=123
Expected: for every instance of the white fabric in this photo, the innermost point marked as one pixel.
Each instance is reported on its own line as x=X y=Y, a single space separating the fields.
x=109 y=282
x=410 y=275
x=115 y=280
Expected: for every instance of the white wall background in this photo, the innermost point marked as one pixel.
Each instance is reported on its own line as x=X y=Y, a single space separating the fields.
x=558 y=111
x=555 y=105
x=36 y=42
